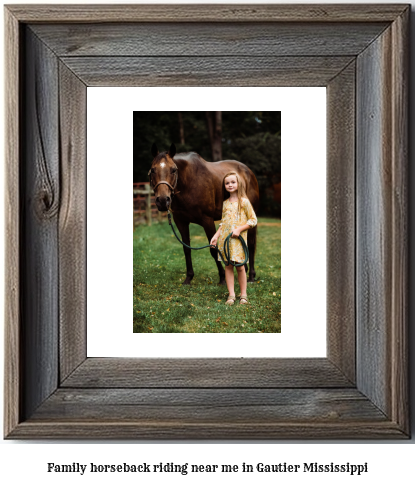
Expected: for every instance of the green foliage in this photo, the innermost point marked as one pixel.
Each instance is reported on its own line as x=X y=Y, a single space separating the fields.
x=162 y=304
x=262 y=153
x=163 y=129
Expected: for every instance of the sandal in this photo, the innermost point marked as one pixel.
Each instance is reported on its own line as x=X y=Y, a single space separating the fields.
x=230 y=300
x=243 y=300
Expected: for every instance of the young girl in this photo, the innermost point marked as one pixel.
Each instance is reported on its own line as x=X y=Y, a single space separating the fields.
x=237 y=217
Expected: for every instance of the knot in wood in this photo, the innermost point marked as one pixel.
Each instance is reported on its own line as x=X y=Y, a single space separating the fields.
x=46 y=204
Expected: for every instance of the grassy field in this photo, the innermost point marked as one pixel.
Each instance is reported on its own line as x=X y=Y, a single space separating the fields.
x=162 y=304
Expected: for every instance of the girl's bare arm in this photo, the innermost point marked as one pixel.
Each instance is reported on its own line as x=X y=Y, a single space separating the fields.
x=215 y=238
x=240 y=229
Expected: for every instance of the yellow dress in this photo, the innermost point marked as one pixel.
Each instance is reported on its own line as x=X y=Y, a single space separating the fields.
x=230 y=221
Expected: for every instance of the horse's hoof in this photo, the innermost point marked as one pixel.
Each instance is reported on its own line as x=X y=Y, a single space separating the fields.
x=222 y=282
x=186 y=281
x=252 y=280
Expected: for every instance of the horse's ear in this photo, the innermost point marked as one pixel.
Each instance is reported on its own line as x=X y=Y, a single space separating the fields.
x=172 y=150
x=154 y=150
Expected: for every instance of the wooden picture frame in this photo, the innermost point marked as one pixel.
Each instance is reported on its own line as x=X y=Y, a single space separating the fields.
x=359 y=391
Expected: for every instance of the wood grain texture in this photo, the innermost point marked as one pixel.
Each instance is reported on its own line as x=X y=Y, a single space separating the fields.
x=373 y=223
x=206 y=71
x=382 y=250
x=40 y=206
x=247 y=426
x=181 y=39
x=400 y=246
x=205 y=13
x=12 y=383
x=209 y=405
x=72 y=222
x=341 y=237
x=188 y=430
x=206 y=373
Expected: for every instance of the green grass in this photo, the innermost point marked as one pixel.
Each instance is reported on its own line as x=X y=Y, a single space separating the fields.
x=162 y=304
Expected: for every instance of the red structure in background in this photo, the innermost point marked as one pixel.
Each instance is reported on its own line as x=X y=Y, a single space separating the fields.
x=277 y=192
x=144 y=206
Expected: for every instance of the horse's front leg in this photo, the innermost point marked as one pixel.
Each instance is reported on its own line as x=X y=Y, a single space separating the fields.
x=210 y=230
x=185 y=233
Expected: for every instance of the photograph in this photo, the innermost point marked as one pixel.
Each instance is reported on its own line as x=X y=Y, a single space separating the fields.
x=207 y=222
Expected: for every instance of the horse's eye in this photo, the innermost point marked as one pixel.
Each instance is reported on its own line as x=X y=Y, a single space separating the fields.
x=173 y=170
x=153 y=170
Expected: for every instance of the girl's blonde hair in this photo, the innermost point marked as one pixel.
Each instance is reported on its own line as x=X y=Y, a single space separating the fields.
x=241 y=189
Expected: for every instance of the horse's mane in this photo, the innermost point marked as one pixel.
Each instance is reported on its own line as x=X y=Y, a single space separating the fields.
x=192 y=157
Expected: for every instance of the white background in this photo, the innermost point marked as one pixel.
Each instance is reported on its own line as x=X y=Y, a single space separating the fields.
x=24 y=463
x=109 y=289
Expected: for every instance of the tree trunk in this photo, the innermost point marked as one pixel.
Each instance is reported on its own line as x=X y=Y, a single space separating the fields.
x=214 y=123
x=181 y=128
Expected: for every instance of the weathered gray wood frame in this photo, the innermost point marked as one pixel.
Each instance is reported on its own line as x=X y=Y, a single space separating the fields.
x=359 y=52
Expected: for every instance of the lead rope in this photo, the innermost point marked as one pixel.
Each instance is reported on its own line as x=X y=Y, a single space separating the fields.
x=226 y=247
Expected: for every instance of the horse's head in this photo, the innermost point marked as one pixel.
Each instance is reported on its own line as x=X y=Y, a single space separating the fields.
x=163 y=176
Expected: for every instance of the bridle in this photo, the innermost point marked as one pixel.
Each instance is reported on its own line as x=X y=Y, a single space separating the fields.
x=172 y=188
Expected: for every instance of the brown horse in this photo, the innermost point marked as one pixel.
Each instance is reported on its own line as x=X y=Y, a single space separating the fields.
x=192 y=188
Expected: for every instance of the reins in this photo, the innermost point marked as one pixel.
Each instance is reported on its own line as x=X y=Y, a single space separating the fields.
x=226 y=248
